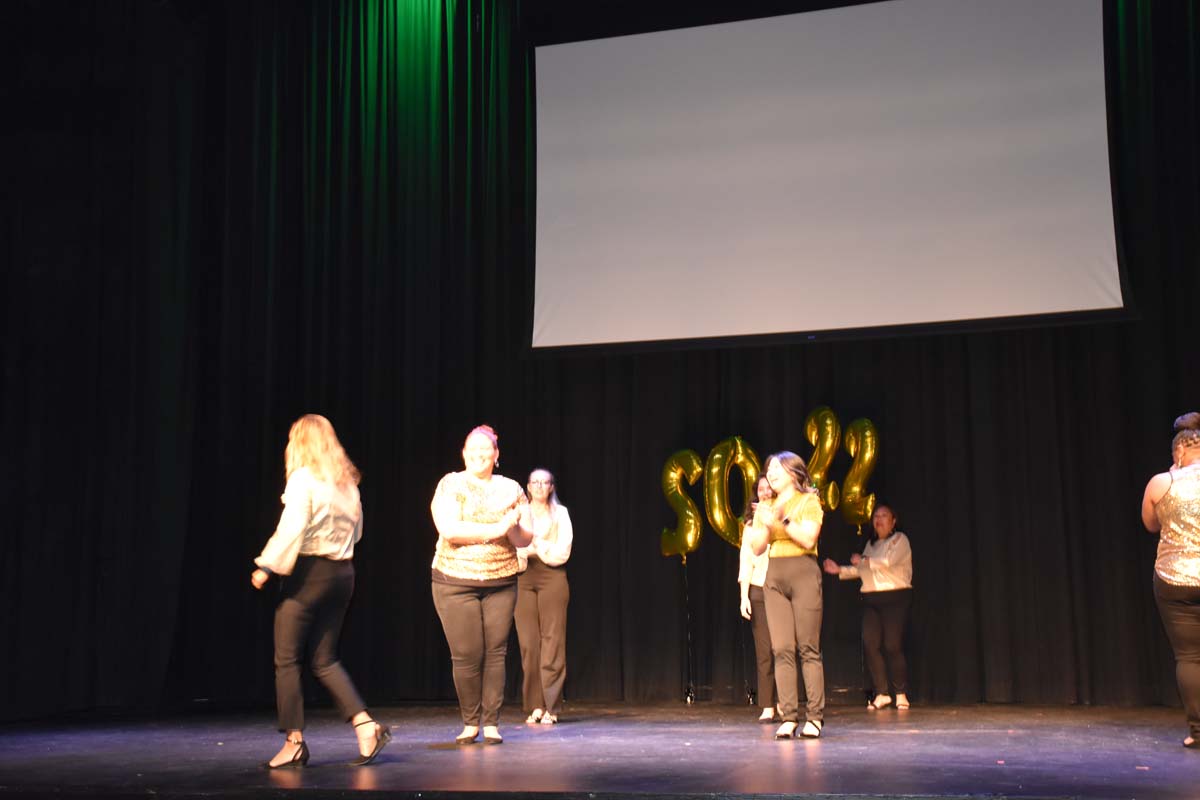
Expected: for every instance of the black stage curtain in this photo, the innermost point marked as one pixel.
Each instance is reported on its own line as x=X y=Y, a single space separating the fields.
x=218 y=216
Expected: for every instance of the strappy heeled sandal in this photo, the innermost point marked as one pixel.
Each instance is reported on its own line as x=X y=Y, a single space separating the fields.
x=812 y=729
x=383 y=735
x=786 y=731
x=535 y=717
x=300 y=759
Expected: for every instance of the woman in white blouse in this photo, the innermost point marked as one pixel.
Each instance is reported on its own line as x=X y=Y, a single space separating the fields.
x=312 y=551
x=752 y=572
x=542 y=597
x=886 y=570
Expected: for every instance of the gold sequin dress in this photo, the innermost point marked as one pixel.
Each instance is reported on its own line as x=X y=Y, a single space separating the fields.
x=1178 y=512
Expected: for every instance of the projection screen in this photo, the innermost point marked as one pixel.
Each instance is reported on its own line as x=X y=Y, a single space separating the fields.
x=901 y=163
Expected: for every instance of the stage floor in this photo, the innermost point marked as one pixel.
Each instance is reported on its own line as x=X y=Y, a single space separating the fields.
x=608 y=751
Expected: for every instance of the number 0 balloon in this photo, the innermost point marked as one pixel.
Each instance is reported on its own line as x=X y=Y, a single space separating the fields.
x=733 y=452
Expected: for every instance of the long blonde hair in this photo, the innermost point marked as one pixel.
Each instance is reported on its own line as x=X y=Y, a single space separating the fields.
x=313 y=443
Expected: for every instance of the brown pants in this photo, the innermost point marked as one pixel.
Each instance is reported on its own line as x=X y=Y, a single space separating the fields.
x=794 y=607
x=477 y=621
x=764 y=659
x=542 y=596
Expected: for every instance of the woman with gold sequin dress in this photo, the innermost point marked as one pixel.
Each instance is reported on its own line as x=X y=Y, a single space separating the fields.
x=1171 y=508
x=481 y=519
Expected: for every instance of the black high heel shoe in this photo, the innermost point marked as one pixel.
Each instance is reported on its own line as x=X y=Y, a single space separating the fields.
x=383 y=735
x=300 y=759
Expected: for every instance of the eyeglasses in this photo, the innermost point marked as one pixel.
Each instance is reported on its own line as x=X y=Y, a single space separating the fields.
x=541 y=483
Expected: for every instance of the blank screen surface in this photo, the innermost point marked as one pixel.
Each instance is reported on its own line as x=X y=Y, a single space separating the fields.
x=902 y=163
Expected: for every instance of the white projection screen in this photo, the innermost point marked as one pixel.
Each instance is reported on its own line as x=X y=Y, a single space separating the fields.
x=902 y=163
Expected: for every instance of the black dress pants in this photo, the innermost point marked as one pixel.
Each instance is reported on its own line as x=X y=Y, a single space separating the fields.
x=884 y=616
x=1179 y=607
x=315 y=598
x=477 y=621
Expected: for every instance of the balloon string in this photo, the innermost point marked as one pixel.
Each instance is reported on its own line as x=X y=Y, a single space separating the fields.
x=689 y=695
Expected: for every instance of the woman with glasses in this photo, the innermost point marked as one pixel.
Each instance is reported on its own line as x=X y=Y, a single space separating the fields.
x=542 y=596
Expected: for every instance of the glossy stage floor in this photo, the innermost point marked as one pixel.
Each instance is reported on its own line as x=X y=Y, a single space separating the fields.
x=605 y=751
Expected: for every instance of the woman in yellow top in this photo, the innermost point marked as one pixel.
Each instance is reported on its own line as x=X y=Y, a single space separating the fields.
x=788 y=528
x=312 y=550
x=481 y=518
x=1171 y=508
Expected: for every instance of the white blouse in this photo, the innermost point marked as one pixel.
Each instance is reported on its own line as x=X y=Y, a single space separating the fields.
x=552 y=537
x=319 y=519
x=886 y=565
x=752 y=568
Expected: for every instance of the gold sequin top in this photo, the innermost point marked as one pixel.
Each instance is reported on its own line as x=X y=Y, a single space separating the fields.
x=474 y=501
x=1178 y=512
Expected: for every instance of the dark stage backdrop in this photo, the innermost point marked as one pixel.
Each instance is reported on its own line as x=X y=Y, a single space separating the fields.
x=218 y=216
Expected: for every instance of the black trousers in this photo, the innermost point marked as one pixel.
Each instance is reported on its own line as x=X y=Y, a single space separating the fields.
x=315 y=598
x=542 y=597
x=477 y=621
x=794 y=607
x=884 y=616
x=764 y=659
x=1179 y=607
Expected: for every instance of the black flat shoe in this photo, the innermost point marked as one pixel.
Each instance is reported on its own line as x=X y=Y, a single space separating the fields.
x=383 y=735
x=296 y=761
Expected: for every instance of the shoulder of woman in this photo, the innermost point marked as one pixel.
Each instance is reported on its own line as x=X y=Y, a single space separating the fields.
x=807 y=499
x=450 y=483
x=1158 y=485
x=504 y=480
x=302 y=477
x=451 y=478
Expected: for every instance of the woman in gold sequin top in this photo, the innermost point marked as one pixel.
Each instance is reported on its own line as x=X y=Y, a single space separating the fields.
x=1171 y=508
x=481 y=518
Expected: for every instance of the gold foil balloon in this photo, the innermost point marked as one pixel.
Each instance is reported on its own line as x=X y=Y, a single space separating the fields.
x=824 y=433
x=733 y=452
x=862 y=443
x=684 y=538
